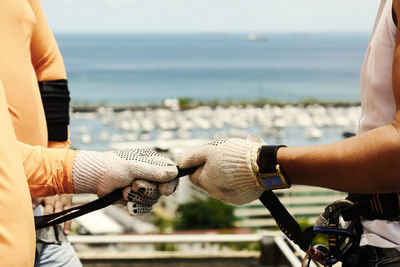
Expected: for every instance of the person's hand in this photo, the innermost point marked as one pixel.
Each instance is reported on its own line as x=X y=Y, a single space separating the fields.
x=225 y=169
x=53 y=204
x=146 y=174
x=142 y=195
x=58 y=203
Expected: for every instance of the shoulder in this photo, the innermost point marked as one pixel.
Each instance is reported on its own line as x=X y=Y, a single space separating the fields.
x=31 y=4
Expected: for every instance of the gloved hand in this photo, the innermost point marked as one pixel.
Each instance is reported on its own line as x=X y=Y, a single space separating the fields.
x=146 y=174
x=142 y=195
x=226 y=171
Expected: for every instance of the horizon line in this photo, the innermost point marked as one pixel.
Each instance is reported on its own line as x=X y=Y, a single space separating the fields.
x=209 y=32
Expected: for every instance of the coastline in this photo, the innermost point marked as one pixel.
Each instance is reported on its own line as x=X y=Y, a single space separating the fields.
x=305 y=122
x=188 y=103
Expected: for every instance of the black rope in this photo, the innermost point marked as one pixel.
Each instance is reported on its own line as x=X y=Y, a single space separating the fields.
x=69 y=214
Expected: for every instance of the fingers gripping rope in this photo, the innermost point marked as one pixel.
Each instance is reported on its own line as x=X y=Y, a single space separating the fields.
x=168 y=188
x=141 y=197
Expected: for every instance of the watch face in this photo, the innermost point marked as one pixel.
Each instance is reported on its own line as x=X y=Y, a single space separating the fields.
x=274 y=181
x=271 y=182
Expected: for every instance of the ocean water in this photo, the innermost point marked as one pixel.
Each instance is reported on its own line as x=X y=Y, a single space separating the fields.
x=147 y=68
x=144 y=68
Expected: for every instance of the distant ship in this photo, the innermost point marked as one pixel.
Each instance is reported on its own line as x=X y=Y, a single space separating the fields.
x=256 y=37
x=215 y=33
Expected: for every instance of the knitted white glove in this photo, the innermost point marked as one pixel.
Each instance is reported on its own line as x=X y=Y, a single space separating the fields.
x=102 y=172
x=226 y=171
x=142 y=195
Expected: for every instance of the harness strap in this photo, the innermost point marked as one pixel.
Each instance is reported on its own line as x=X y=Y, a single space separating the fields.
x=285 y=221
x=373 y=206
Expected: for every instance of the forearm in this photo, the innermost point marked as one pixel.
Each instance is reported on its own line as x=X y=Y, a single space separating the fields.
x=48 y=171
x=367 y=163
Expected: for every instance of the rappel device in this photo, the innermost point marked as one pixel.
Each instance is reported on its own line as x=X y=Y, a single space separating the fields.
x=341 y=241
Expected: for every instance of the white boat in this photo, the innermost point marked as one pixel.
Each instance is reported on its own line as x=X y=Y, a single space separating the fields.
x=256 y=37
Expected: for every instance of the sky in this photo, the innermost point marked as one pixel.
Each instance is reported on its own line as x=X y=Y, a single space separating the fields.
x=210 y=15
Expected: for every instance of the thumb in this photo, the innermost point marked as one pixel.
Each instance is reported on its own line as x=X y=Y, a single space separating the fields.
x=193 y=157
x=153 y=170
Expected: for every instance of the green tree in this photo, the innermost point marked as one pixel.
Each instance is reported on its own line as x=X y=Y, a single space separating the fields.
x=163 y=224
x=209 y=214
x=185 y=102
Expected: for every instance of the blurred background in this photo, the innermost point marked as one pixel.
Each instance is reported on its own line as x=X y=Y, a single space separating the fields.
x=173 y=74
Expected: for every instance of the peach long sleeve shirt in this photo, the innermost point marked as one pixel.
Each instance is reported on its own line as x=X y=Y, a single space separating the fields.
x=28 y=54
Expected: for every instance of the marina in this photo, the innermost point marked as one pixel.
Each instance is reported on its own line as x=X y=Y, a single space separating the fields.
x=107 y=128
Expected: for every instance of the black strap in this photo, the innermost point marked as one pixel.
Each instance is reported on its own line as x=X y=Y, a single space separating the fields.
x=285 y=220
x=373 y=206
x=266 y=160
x=69 y=214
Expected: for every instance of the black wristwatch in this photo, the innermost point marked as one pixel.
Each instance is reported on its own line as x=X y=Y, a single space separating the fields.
x=268 y=171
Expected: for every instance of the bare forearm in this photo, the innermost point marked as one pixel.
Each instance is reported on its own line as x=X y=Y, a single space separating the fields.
x=367 y=163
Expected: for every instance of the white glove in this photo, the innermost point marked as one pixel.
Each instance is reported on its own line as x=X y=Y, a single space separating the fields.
x=226 y=171
x=150 y=174
x=142 y=195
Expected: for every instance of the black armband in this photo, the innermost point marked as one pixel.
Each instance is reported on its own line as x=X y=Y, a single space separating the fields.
x=55 y=98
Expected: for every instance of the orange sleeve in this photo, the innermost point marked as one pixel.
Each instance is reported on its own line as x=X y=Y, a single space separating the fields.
x=57 y=144
x=45 y=55
x=48 y=170
x=17 y=232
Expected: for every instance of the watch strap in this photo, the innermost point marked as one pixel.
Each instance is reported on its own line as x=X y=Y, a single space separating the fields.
x=266 y=160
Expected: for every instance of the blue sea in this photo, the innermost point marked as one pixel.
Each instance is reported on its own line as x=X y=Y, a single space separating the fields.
x=147 y=68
